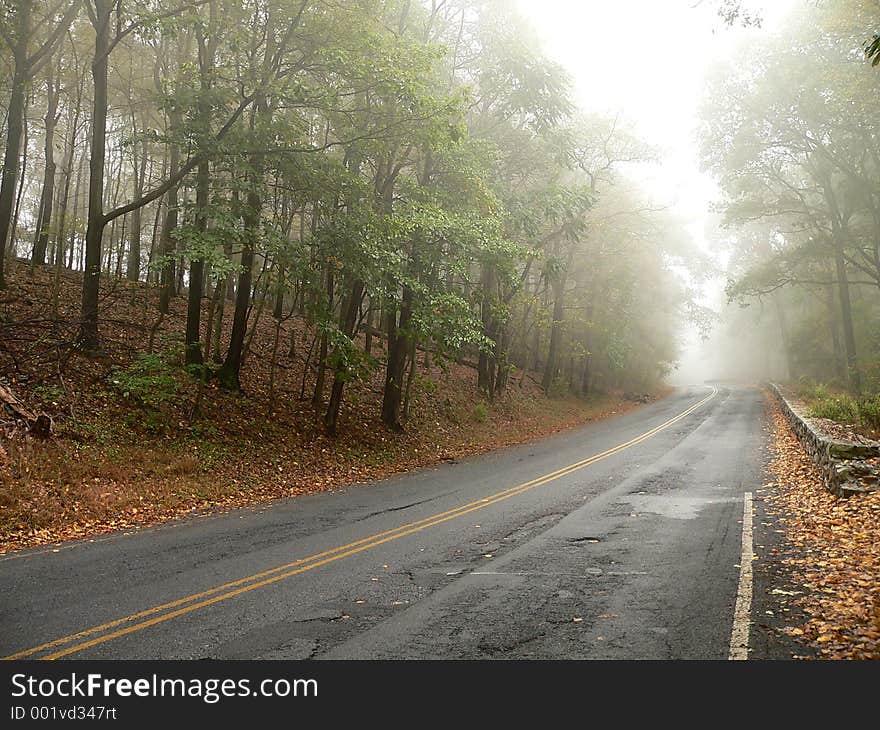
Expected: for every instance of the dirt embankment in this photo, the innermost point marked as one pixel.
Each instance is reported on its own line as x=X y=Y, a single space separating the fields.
x=129 y=450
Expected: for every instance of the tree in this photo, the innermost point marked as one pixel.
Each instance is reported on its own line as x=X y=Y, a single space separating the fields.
x=30 y=54
x=796 y=144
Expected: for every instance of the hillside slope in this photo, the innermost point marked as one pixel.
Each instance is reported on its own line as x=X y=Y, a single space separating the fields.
x=129 y=448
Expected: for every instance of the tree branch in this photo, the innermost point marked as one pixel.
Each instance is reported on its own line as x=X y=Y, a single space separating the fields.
x=36 y=61
x=135 y=24
x=159 y=191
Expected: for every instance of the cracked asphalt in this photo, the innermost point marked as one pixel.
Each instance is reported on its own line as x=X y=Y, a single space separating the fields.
x=634 y=556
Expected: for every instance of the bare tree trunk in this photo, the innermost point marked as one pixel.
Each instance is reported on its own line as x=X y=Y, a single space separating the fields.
x=167 y=243
x=207 y=52
x=246 y=349
x=74 y=238
x=133 y=265
x=503 y=365
x=308 y=363
x=218 y=326
x=486 y=362
x=14 y=128
x=398 y=347
x=47 y=195
x=552 y=367
x=229 y=373
x=152 y=275
x=410 y=377
x=587 y=375
x=318 y=393
x=68 y=176
x=834 y=327
x=89 y=338
x=221 y=310
x=273 y=363
x=204 y=370
x=849 y=338
x=62 y=215
x=368 y=337
x=291 y=349
x=347 y=324
x=558 y=286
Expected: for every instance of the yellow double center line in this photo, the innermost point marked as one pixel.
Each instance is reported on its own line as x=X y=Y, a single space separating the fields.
x=166 y=611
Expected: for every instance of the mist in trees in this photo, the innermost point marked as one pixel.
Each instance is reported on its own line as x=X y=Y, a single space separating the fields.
x=410 y=178
x=790 y=127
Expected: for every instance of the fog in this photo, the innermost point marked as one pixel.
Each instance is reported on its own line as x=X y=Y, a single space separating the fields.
x=653 y=63
x=602 y=194
x=737 y=350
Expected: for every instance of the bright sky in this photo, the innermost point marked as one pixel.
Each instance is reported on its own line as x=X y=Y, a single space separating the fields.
x=647 y=59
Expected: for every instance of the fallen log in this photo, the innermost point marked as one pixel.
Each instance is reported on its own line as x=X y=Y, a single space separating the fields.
x=38 y=424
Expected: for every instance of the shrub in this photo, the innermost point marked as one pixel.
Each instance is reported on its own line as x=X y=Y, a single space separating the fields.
x=835 y=407
x=426 y=385
x=869 y=411
x=149 y=380
x=481 y=411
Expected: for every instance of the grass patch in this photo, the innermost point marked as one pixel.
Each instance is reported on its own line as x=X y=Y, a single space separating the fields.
x=481 y=412
x=825 y=402
x=841 y=408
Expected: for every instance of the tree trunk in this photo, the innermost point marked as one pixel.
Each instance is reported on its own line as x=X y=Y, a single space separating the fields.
x=318 y=392
x=65 y=195
x=347 y=322
x=206 y=54
x=153 y=275
x=221 y=306
x=398 y=347
x=14 y=127
x=555 y=350
x=587 y=374
x=834 y=326
x=74 y=238
x=229 y=373
x=68 y=176
x=167 y=244
x=552 y=368
x=47 y=195
x=193 y=344
x=133 y=265
x=410 y=377
x=89 y=339
x=486 y=362
x=502 y=369
x=368 y=337
x=249 y=336
x=22 y=183
x=278 y=309
x=203 y=370
x=849 y=339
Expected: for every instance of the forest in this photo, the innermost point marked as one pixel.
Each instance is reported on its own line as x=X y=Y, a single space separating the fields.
x=304 y=228
x=406 y=178
x=791 y=128
x=447 y=329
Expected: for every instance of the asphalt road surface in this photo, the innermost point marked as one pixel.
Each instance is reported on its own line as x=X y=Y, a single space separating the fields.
x=617 y=540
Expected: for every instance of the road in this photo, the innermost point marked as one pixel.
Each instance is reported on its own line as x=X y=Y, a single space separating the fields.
x=617 y=540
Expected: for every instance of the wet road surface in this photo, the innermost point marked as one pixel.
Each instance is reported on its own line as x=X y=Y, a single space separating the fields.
x=617 y=540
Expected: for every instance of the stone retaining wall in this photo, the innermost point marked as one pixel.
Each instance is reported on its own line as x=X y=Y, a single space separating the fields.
x=842 y=463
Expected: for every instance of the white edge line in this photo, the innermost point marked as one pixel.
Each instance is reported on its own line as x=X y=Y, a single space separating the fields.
x=739 y=638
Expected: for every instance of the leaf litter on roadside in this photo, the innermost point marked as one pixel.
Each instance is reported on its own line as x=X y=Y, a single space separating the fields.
x=831 y=552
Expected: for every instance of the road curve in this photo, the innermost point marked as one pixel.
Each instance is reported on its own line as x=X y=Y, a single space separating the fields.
x=617 y=540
